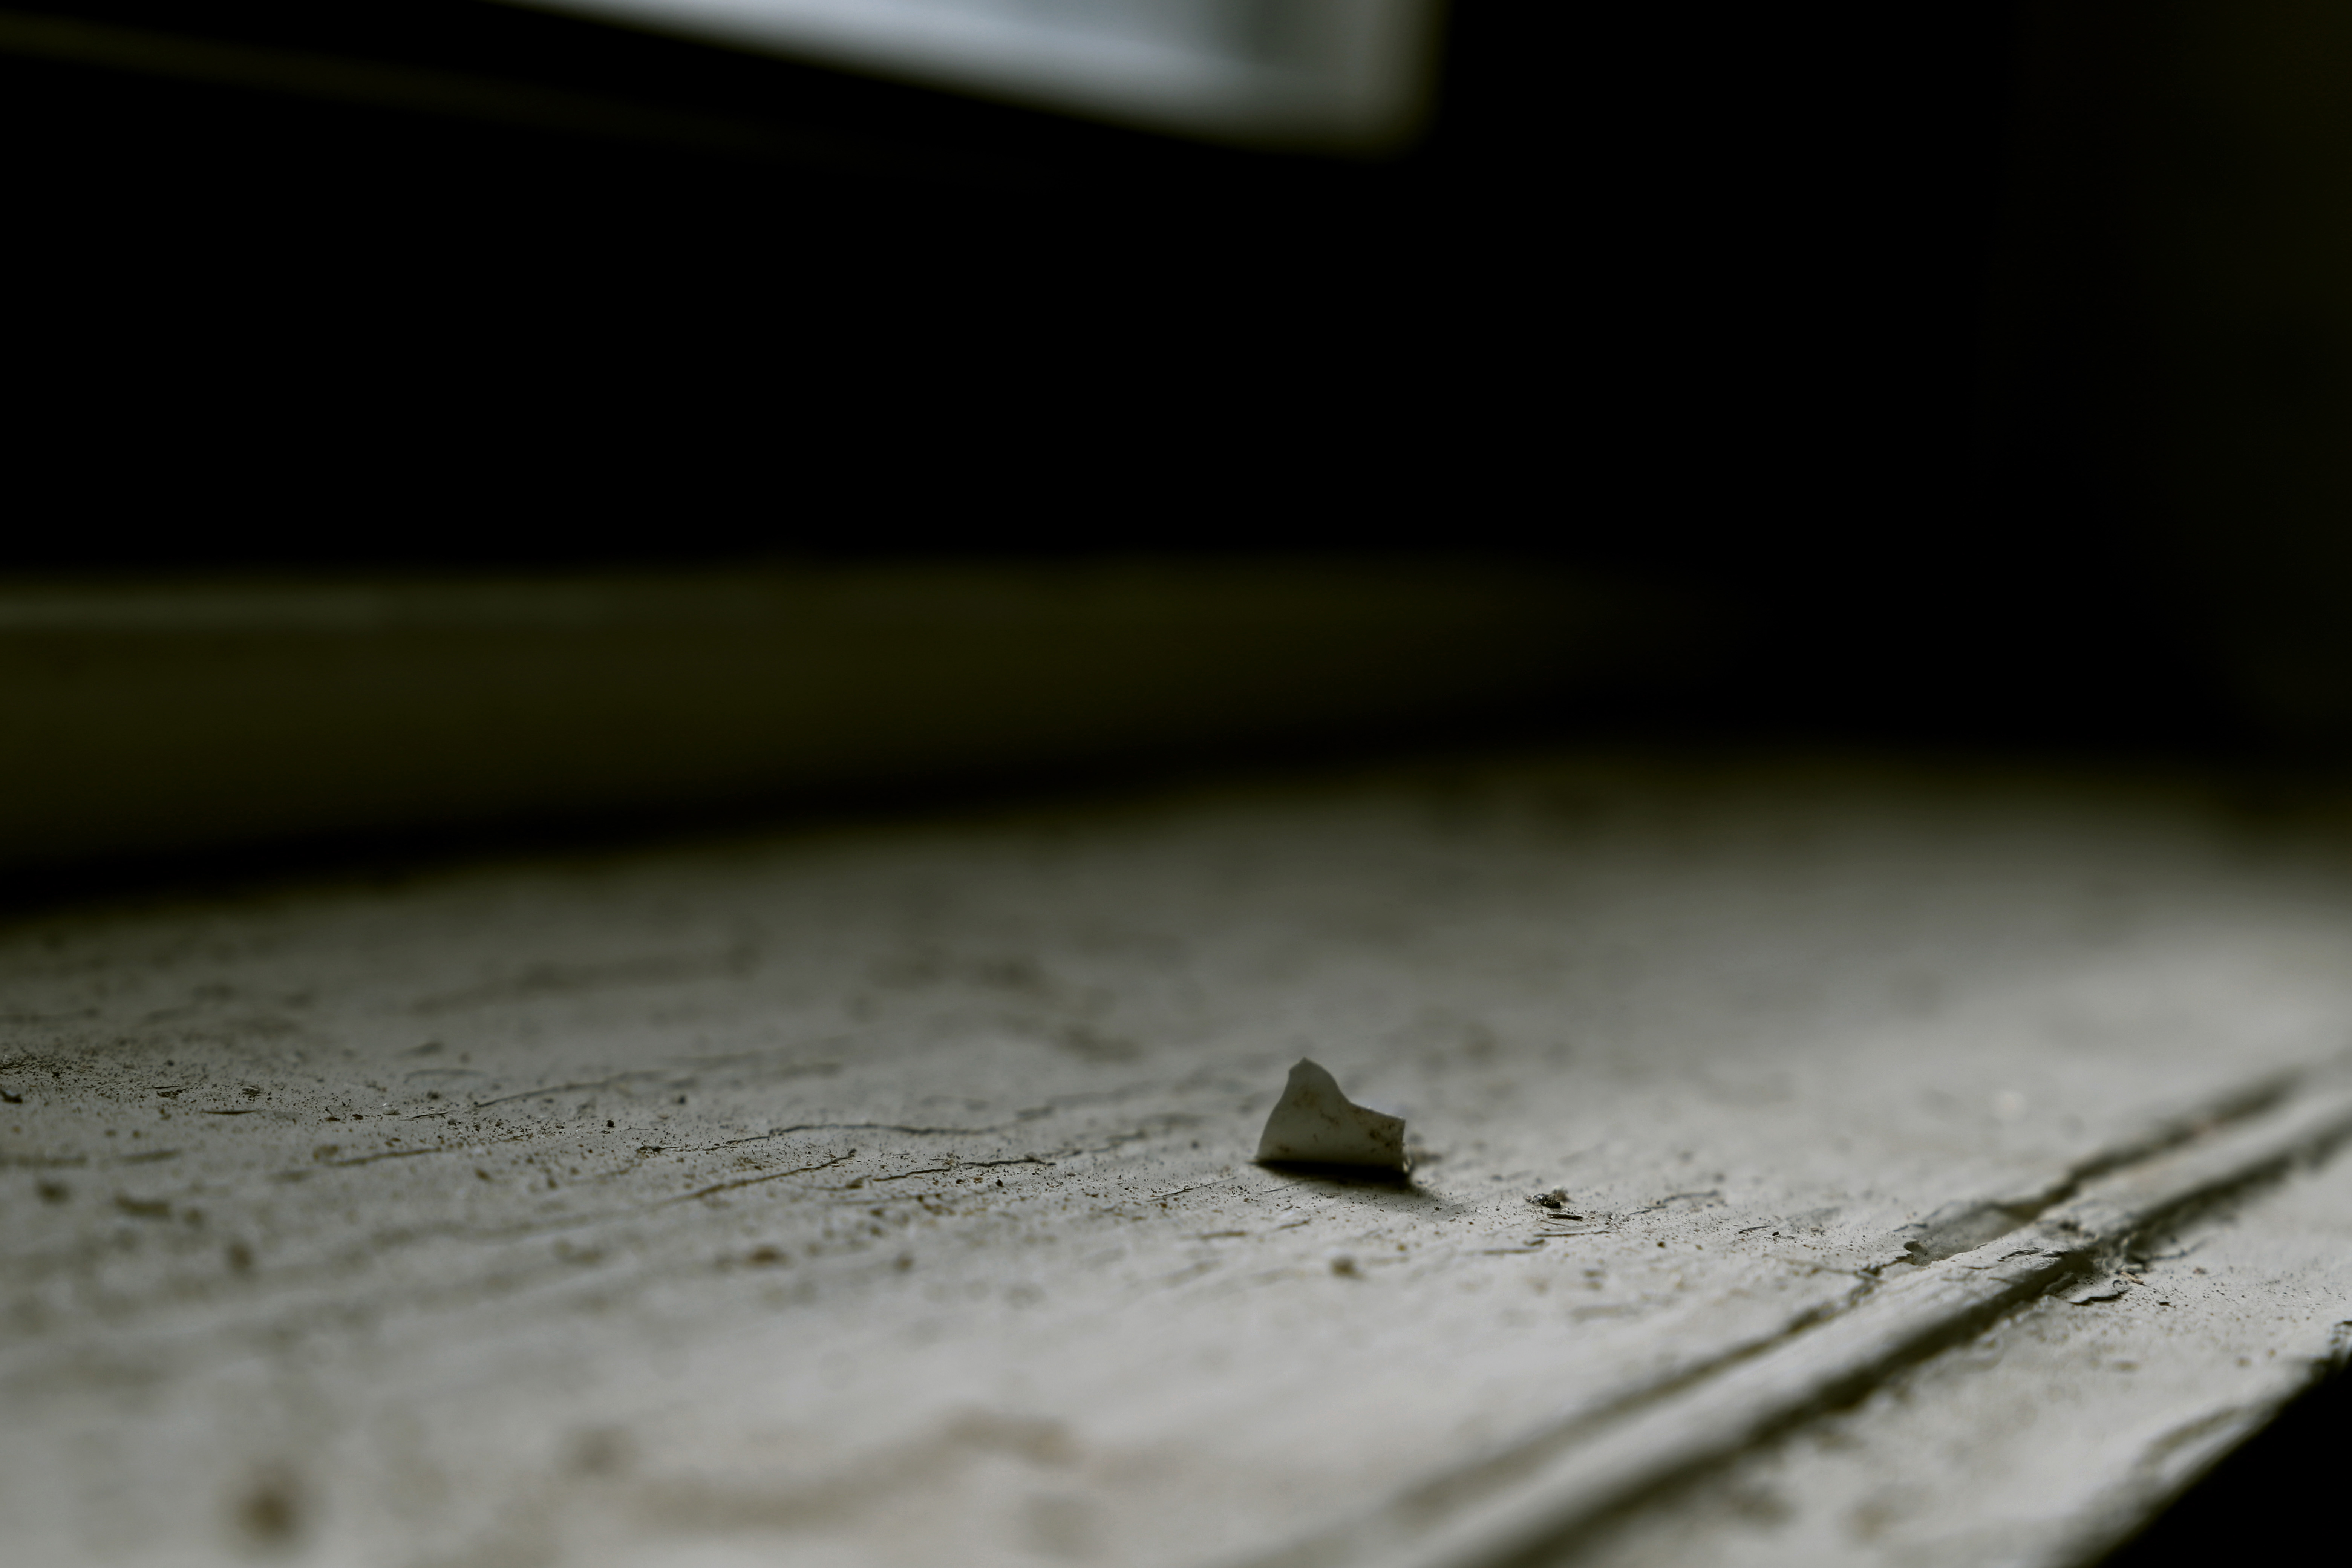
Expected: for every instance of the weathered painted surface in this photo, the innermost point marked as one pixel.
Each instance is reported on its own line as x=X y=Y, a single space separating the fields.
x=884 y=1196
x=2049 y=1436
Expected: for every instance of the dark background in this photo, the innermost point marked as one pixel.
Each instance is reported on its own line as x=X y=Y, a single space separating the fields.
x=1846 y=314
x=1986 y=364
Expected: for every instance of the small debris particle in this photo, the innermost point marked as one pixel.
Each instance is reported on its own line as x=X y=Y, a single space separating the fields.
x=53 y=1191
x=240 y=1257
x=608 y=1126
x=479 y=1171
x=903 y=1262
x=326 y=1150
x=766 y=1257
x=1345 y=1267
x=602 y=1451
x=143 y=1208
x=269 y=1513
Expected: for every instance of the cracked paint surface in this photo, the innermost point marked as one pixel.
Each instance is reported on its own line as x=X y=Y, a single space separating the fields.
x=887 y=1194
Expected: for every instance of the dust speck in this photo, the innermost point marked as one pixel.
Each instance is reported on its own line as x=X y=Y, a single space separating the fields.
x=268 y=1515
x=600 y=1451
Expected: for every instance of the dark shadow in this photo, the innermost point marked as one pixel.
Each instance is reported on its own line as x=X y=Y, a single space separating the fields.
x=2268 y=1498
x=1350 y=1180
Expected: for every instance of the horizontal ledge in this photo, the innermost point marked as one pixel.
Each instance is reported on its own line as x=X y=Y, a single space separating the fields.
x=168 y=718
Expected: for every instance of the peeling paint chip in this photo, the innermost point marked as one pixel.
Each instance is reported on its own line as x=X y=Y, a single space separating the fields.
x=2112 y=1292
x=1314 y=1124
